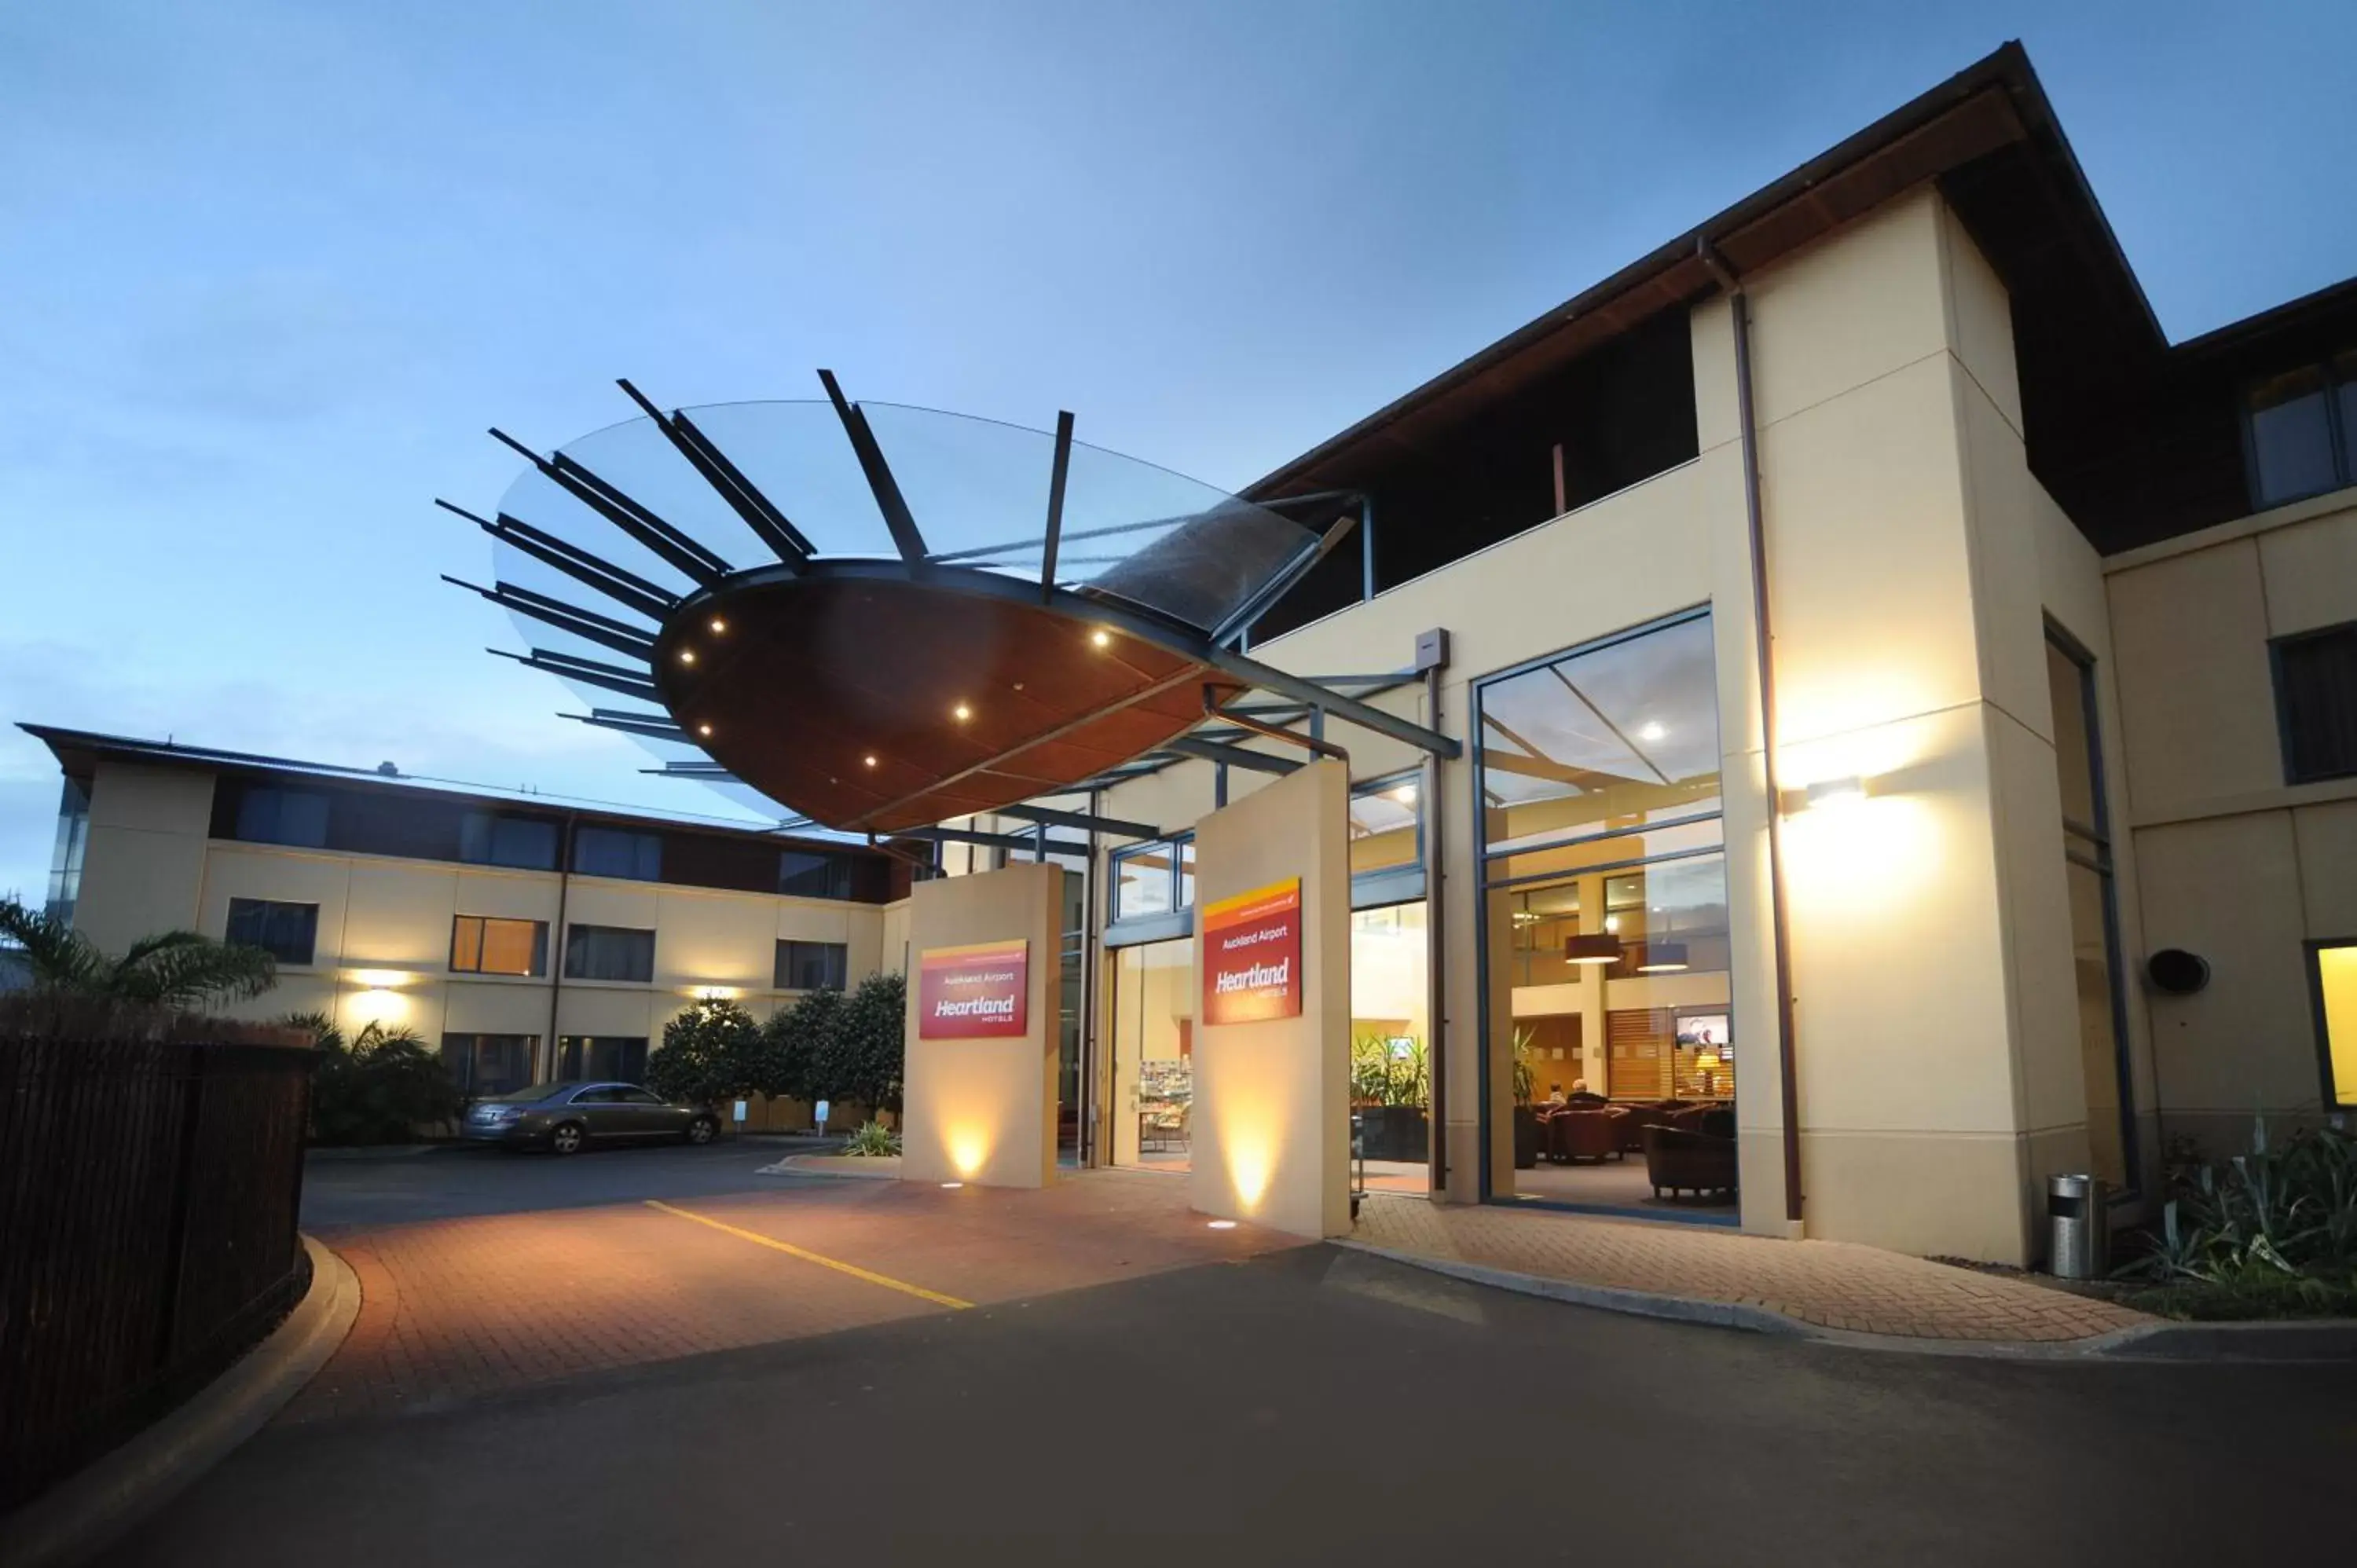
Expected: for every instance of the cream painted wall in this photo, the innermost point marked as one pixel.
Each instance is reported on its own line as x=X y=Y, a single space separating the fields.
x=2237 y=865
x=984 y=1111
x=150 y=867
x=1271 y=1123
x=143 y=869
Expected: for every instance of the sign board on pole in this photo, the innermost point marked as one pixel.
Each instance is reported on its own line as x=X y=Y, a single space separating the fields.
x=980 y=991
x=818 y=1114
x=740 y=1111
x=1251 y=955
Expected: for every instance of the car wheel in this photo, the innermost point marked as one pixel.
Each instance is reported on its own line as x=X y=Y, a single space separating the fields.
x=566 y=1138
x=703 y=1130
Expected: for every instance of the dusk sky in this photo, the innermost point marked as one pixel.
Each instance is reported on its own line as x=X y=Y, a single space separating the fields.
x=269 y=271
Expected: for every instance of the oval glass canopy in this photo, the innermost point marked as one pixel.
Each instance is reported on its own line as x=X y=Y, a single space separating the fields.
x=846 y=610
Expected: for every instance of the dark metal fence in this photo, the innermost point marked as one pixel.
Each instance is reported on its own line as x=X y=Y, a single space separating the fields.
x=148 y=1198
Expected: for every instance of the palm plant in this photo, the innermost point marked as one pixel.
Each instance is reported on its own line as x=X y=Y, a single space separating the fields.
x=172 y=969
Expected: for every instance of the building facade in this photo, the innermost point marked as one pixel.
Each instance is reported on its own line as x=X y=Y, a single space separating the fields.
x=2065 y=793
x=1908 y=725
x=526 y=940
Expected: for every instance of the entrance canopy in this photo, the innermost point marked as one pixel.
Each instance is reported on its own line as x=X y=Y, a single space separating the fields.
x=880 y=617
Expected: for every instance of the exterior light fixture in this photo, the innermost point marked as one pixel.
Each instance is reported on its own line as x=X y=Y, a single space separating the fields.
x=962 y=713
x=1830 y=792
x=703 y=729
x=687 y=656
x=1600 y=947
x=1101 y=637
x=1404 y=794
x=951 y=1185
x=1222 y=1224
x=719 y=625
x=1651 y=731
x=1663 y=958
x=869 y=761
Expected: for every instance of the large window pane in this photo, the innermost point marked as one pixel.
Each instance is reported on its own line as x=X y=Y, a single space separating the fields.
x=610 y=952
x=1621 y=735
x=609 y=852
x=1386 y=818
x=490 y=838
x=812 y=874
x=287 y=932
x=1154 y=1054
x=2291 y=437
x=1144 y=882
x=1593 y=853
x=813 y=966
x=2102 y=1041
x=481 y=945
x=2336 y=1006
x=296 y=817
x=2316 y=703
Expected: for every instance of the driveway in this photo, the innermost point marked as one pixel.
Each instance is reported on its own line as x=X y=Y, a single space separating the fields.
x=1126 y=1390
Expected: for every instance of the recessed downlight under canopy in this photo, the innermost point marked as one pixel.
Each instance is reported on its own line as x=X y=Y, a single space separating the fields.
x=883 y=618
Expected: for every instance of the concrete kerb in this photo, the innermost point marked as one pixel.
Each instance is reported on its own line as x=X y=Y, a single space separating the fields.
x=876 y=1167
x=2327 y=1341
x=75 y=1521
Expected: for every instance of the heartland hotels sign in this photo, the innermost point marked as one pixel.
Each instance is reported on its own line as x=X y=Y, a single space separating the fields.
x=1251 y=955
x=978 y=992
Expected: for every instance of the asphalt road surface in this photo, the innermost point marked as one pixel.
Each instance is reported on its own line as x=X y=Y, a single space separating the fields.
x=1312 y=1405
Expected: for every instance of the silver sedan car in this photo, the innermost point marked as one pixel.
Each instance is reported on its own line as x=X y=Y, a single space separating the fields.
x=565 y=1118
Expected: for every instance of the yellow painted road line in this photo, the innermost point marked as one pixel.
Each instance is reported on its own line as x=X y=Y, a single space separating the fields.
x=837 y=1264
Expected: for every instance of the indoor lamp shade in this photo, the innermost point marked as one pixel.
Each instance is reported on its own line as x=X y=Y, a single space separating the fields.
x=1662 y=958
x=1602 y=947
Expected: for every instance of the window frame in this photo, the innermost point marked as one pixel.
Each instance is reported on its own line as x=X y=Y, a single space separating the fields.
x=310 y=958
x=2098 y=833
x=1178 y=847
x=539 y=969
x=2311 y=959
x=585 y=833
x=781 y=970
x=1484 y=855
x=574 y=928
x=839 y=874
x=2275 y=646
x=2341 y=441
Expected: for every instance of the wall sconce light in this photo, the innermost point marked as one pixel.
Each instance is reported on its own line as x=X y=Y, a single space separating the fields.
x=713 y=992
x=380 y=979
x=1827 y=795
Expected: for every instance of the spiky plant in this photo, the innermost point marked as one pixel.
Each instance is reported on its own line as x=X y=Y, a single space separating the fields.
x=177 y=969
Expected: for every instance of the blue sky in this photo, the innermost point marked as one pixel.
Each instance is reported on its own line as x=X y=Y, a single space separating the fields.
x=270 y=269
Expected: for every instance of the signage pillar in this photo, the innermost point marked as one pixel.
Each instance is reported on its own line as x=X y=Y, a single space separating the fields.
x=979 y=1089
x=1271 y=1121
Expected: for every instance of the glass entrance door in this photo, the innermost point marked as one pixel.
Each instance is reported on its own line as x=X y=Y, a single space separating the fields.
x=1151 y=1111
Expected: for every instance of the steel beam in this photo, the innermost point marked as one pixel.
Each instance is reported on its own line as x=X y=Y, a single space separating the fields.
x=1023 y=843
x=1233 y=756
x=769 y=525
x=608 y=502
x=610 y=677
x=1365 y=715
x=625 y=588
x=588 y=624
x=1087 y=821
x=906 y=535
x=1057 y=472
x=653 y=725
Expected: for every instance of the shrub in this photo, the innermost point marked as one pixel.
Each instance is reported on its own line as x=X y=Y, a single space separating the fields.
x=862 y=1051
x=2270 y=1234
x=175 y=970
x=380 y=1088
x=794 y=1044
x=711 y=1052
x=872 y=1138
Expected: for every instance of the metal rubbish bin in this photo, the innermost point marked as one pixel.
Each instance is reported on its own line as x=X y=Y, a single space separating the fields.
x=2079 y=1228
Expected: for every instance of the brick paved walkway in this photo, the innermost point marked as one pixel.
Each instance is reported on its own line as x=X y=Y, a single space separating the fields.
x=1831 y=1285
x=455 y=1309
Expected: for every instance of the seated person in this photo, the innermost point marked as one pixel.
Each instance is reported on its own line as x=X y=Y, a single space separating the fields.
x=1555 y=1094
